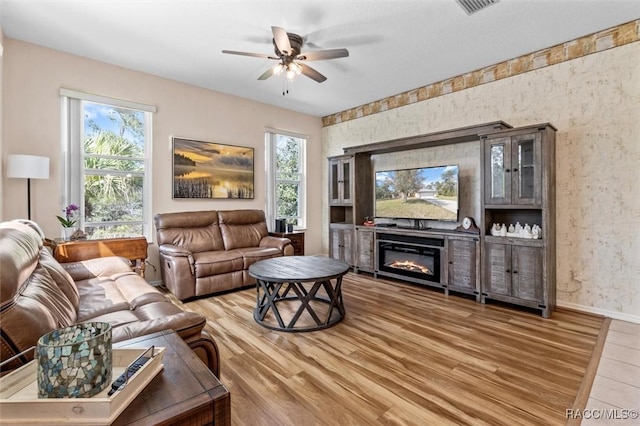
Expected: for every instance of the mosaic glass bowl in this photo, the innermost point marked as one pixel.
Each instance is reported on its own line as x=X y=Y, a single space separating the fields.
x=74 y=362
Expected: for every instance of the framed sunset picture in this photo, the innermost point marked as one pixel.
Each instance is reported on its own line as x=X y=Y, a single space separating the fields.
x=211 y=170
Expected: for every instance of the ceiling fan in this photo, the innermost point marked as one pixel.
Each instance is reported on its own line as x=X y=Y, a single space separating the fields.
x=287 y=47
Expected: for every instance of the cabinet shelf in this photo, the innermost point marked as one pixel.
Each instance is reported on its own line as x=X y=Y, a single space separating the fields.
x=514 y=241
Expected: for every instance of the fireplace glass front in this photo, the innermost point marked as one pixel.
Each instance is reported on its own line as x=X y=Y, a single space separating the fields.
x=410 y=260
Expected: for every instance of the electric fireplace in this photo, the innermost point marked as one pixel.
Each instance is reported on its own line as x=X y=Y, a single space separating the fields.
x=414 y=257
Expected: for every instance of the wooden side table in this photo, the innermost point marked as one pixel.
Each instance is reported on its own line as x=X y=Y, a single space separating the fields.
x=134 y=249
x=297 y=240
x=185 y=392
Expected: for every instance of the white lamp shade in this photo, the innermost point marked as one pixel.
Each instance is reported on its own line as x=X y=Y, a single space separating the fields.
x=27 y=166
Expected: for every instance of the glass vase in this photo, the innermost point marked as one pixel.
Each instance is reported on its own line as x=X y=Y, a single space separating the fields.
x=74 y=362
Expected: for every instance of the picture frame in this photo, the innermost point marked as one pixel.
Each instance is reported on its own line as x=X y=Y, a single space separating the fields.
x=211 y=170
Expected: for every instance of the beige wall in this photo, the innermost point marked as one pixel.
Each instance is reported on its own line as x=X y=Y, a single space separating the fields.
x=33 y=76
x=594 y=101
x=1 y=115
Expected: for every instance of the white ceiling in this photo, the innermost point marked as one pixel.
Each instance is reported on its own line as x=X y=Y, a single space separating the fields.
x=394 y=46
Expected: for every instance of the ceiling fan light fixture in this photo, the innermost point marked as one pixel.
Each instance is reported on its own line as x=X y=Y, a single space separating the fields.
x=297 y=69
x=277 y=69
x=287 y=48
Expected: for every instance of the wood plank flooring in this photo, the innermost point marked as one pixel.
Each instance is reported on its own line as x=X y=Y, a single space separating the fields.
x=404 y=354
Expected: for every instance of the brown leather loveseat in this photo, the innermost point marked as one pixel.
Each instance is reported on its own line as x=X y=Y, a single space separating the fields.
x=207 y=252
x=39 y=295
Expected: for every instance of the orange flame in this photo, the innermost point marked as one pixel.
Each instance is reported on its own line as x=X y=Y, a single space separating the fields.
x=408 y=265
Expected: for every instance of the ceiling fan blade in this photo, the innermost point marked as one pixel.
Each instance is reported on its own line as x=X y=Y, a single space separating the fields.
x=282 y=40
x=311 y=73
x=324 y=54
x=268 y=73
x=255 y=55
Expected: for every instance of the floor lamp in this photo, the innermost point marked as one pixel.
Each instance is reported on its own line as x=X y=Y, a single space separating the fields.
x=28 y=167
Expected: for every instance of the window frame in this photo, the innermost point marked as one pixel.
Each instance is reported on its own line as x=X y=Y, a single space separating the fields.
x=271 y=139
x=72 y=159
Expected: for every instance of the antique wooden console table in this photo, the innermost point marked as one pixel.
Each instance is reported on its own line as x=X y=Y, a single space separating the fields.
x=133 y=248
x=290 y=286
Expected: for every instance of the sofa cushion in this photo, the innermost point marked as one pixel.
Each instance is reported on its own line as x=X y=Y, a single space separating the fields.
x=37 y=297
x=251 y=255
x=19 y=254
x=195 y=231
x=221 y=282
x=119 y=292
x=98 y=267
x=217 y=262
x=61 y=277
x=161 y=316
x=242 y=228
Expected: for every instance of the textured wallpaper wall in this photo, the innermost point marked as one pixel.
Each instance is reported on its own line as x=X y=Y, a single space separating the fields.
x=594 y=101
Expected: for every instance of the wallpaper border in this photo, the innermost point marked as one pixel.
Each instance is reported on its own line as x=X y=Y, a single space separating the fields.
x=583 y=46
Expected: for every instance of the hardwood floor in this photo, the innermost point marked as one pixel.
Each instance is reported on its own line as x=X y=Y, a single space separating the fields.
x=403 y=355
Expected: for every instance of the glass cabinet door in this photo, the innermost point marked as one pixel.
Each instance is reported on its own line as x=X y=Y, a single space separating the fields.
x=526 y=170
x=498 y=172
x=340 y=181
x=334 y=179
x=346 y=181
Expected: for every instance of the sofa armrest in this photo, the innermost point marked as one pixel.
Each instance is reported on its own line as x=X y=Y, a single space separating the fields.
x=98 y=267
x=173 y=250
x=205 y=347
x=283 y=244
x=166 y=316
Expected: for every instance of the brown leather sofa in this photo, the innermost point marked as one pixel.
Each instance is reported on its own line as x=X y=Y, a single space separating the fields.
x=39 y=295
x=207 y=252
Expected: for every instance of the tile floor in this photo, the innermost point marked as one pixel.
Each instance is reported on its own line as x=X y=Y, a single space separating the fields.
x=616 y=387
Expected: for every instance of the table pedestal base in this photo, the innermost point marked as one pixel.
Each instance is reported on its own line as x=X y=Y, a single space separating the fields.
x=281 y=305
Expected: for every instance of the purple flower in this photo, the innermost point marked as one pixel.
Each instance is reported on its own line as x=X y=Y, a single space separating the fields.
x=70 y=218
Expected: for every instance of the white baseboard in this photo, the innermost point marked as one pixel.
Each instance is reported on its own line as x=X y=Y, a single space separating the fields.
x=155 y=283
x=607 y=313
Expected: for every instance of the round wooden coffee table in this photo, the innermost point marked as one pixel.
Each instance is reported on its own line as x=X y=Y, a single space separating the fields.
x=298 y=293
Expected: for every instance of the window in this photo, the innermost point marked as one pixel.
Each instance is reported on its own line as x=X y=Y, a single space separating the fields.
x=107 y=147
x=285 y=177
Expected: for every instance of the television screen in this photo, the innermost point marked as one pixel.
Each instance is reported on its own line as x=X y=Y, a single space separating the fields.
x=429 y=193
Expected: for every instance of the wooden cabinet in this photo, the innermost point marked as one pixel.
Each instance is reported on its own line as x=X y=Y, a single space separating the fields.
x=134 y=249
x=513 y=170
x=365 y=243
x=341 y=180
x=341 y=242
x=297 y=240
x=519 y=186
x=514 y=271
x=463 y=256
x=346 y=207
x=517 y=174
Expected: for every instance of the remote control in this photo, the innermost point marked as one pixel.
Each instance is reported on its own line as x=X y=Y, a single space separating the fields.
x=120 y=381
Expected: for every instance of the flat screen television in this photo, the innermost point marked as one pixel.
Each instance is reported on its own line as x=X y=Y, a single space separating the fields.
x=426 y=193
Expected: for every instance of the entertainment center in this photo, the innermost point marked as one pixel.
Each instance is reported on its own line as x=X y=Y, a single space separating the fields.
x=515 y=174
